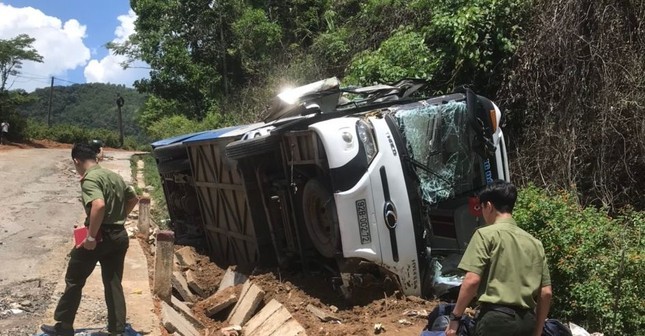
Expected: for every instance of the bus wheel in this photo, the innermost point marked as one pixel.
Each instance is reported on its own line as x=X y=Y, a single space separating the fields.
x=321 y=219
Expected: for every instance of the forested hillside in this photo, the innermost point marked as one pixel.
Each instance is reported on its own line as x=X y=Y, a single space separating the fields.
x=91 y=106
x=567 y=72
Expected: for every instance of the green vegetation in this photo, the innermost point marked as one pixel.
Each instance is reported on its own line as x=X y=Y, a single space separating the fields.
x=91 y=106
x=566 y=72
x=74 y=134
x=585 y=250
x=12 y=53
x=151 y=177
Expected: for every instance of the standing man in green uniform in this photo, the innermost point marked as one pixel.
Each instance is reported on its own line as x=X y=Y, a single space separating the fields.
x=506 y=267
x=107 y=201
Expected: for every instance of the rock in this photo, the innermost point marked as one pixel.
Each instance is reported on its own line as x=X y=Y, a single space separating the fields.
x=321 y=314
x=416 y=313
x=378 y=328
x=231 y=331
x=333 y=309
x=405 y=322
x=25 y=303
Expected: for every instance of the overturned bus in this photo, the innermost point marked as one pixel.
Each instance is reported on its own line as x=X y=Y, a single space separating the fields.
x=342 y=177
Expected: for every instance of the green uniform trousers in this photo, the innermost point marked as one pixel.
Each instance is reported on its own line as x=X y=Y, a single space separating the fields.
x=497 y=323
x=110 y=253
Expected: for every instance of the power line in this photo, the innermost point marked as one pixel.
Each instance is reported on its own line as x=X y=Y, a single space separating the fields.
x=65 y=80
x=33 y=74
x=30 y=79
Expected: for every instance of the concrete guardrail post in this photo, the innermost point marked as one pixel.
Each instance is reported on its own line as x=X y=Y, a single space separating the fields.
x=164 y=259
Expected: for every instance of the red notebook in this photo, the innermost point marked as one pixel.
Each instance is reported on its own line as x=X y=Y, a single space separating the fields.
x=80 y=234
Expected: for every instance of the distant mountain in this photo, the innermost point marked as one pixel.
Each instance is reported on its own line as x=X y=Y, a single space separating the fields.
x=90 y=105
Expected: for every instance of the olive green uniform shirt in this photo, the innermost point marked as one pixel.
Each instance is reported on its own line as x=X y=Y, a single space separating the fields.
x=101 y=183
x=511 y=263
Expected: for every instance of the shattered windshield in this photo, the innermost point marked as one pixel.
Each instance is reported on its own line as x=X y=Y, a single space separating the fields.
x=439 y=143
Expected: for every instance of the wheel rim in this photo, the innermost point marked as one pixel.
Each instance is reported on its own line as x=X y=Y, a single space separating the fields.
x=320 y=218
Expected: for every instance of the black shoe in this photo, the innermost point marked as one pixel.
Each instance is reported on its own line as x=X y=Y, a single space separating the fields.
x=57 y=330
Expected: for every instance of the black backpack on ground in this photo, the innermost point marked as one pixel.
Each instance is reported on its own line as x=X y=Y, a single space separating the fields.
x=553 y=327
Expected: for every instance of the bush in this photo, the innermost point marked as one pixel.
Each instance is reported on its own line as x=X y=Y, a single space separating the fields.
x=167 y=127
x=584 y=249
x=70 y=134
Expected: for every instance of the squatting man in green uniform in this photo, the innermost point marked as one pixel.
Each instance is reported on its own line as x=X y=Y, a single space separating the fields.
x=107 y=201
x=506 y=267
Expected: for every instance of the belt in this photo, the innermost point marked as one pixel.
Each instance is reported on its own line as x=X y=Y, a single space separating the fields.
x=112 y=227
x=507 y=309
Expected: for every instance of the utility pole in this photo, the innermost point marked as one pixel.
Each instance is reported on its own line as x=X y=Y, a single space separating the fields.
x=51 y=94
x=119 y=103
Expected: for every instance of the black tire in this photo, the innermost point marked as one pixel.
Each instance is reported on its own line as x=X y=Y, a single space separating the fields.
x=170 y=152
x=321 y=218
x=241 y=149
x=173 y=166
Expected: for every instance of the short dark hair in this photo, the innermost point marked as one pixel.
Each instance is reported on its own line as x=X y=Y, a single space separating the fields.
x=501 y=194
x=83 y=152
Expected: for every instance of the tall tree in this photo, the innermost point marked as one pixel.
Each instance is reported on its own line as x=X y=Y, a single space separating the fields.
x=12 y=53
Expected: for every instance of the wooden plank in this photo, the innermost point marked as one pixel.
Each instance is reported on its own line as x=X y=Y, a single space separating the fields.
x=186 y=256
x=248 y=303
x=193 y=284
x=220 y=301
x=174 y=322
x=231 y=278
x=321 y=314
x=186 y=312
x=260 y=318
x=181 y=286
x=273 y=320
x=290 y=328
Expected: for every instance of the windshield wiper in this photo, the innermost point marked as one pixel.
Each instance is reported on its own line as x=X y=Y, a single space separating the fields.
x=427 y=169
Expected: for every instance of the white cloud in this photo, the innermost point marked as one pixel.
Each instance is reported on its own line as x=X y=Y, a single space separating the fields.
x=60 y=44
x=108 y=69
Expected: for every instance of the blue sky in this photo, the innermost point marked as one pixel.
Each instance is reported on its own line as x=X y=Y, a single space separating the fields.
x=71 y=35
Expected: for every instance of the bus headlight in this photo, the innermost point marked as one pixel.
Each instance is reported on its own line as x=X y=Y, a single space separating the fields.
x=366 y=136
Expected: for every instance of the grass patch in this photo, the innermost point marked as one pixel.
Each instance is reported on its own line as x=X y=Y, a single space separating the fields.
x=151 y=178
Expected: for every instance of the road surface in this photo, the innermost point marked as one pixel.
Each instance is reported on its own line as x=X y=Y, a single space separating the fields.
x=39 y=206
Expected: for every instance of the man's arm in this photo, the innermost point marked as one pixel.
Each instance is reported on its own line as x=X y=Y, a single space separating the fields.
x=467 y=293
x=97 y=213
x=542 y=310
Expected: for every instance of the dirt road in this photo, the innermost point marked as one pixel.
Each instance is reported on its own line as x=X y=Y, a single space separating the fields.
x=39 y=206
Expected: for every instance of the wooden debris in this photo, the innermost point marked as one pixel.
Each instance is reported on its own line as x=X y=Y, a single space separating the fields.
x=175 y=323
x=220 y=301
x=181 y=286
x=247 y=304
x=193 y=284
x=231 y=278
x=186 y=312
x=186 y=256
x=321 y=314
x=273 y=320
